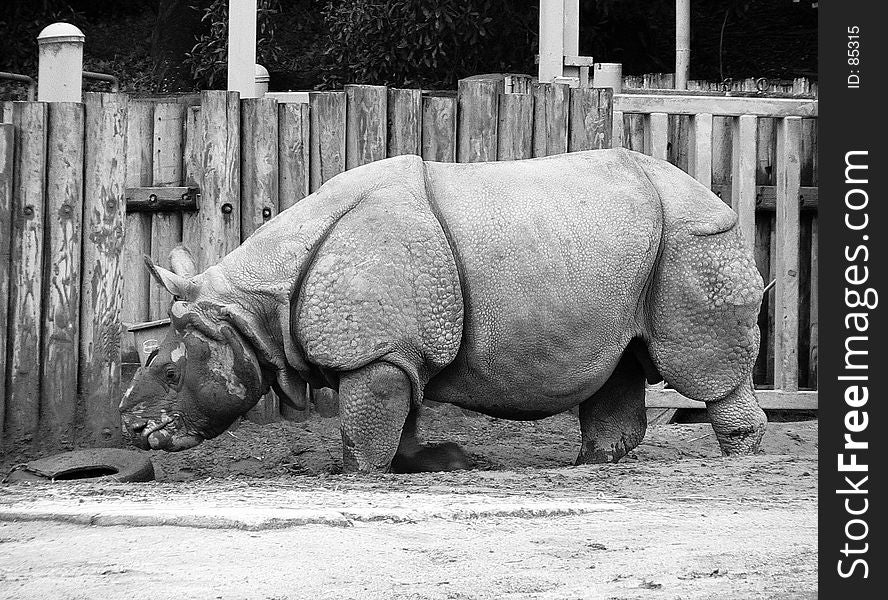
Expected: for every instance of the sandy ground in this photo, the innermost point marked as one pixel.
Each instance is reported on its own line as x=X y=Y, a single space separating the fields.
x=262 y=513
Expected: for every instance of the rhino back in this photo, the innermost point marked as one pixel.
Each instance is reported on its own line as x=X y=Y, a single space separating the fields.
x=554 y=255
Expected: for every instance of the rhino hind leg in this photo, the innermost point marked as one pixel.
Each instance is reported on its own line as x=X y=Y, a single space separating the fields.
x=414 y=457
x=614 y=420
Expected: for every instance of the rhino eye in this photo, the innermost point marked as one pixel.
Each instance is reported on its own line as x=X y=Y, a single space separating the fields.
x=171 y=374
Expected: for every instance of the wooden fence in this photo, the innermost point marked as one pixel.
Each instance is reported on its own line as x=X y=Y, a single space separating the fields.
x=208 y=170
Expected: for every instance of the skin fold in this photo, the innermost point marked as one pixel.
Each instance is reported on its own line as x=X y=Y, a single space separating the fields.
x=518 y=289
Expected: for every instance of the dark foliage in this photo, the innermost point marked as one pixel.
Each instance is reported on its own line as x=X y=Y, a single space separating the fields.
x=160 y=46
x=429 y=43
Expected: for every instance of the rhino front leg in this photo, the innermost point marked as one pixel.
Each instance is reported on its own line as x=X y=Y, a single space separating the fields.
x=738 y=420
x=614 y=420
x=373 y=404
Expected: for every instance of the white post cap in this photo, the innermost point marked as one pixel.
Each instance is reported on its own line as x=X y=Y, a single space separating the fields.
x=60 y=32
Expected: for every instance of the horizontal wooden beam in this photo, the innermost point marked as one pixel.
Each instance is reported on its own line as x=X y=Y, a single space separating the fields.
x=155 y=199
x=719 y=106
x=766 y=196
x=578 y=61
x=768 y=399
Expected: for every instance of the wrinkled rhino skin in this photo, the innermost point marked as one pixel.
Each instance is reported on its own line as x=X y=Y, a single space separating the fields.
x=518 y=289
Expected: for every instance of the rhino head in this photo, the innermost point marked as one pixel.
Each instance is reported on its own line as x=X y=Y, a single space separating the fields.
x=202 y=377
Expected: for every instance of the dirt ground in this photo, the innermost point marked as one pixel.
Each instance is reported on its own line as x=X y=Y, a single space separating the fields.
x=261 y=512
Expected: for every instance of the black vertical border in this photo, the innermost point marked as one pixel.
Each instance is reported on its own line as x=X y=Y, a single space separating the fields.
x=852 y=119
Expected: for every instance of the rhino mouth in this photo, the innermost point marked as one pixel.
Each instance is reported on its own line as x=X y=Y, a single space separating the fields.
x=170 y=435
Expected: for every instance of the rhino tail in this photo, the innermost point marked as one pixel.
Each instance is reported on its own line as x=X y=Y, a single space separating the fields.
x=704 y=296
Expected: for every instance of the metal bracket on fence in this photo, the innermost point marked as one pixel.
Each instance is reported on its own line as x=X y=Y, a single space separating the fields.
x=157 y=199
x=32 y=84
x=115 y=83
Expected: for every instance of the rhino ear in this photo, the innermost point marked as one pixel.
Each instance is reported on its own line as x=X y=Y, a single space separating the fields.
x=173 y=283
x=182 y=261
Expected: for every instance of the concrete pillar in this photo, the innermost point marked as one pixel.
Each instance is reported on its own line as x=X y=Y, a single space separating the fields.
x=60 y=68
x=262 y=78
x=682 y=43
x=551 y=40
x=608 y=75
x=571 y=35
x=242 y=47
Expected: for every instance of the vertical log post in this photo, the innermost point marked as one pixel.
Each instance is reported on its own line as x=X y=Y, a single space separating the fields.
x=259 y=163
x=515 y=127
x=550 y=122
x=293 y=151
x=439 y=128
x=404 y=120
x=259 y=196
x=26 y=282
x=478 y=102
x=365 y=132
x=104 y=200
x=193 y=175
x=220 y=206
x=7 y=144
x=591 y=118
x=166 y=227
x=786 y=319
x=327 y=136
x=61 y=309
x=137 y=241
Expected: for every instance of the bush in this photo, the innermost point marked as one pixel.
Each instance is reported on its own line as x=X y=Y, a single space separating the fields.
x=208 y=59
x=425 y=42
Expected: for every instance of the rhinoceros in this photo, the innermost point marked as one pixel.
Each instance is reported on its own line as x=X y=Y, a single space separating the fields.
x=516 y=289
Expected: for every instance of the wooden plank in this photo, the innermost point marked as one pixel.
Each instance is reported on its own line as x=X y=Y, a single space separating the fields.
x=766 y=196
x=137 y=238
x=743 y=175
x=192 y=172
x=327 y=136
x=762 y=254
x=439 y=128
x=657 y=139
x=166 y=226
x=101 y=293
x=26 y=281
x=61 y=308
x=259 y=163
x=617 y=136
x=677 y=141
x=6 y=111
x=634 y=132
x=165 y=198
x=730 y=106
x=515 y=127
x=259 y=196
x=550 y=119
x=404 y=122
x=700 y=148
x=478 y=102
x=813 y=345
x=786 y=319
x=722 y=143
x=219 y=215
x=7 y=146
x=591 y=119
x=767 y=399
x=366 y=118
x=293 y=153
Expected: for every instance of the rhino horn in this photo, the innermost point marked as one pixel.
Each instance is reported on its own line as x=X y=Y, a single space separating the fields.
x=175 y=284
